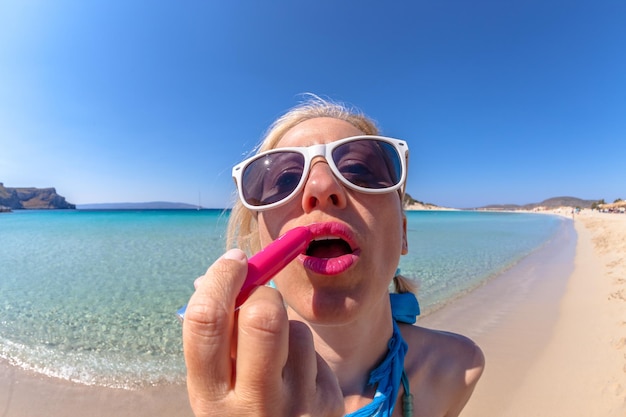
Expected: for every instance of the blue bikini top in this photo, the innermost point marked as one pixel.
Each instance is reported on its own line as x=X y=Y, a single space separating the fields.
x=389 y=374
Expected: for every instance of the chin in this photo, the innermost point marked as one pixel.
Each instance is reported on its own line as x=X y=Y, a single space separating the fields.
x=327 y=310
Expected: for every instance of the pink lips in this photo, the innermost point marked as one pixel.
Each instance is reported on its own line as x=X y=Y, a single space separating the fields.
x=334 y=265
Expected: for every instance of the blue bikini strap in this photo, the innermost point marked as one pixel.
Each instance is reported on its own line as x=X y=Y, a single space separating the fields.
x=388 y=375
x=404 y=307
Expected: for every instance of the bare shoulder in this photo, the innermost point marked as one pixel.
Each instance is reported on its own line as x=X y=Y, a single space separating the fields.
x=442 y=365
x=444 y=351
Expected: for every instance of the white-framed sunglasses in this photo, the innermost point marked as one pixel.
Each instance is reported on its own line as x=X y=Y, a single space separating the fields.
x=368 y=164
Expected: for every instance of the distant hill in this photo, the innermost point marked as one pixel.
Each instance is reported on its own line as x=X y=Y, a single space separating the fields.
x=21 y=198
x=409 y=203
x=152 y=205
x=550 y=203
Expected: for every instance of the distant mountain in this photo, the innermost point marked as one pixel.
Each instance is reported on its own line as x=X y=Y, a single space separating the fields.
x=152 y=205
x=21 y=198
x=550 y=203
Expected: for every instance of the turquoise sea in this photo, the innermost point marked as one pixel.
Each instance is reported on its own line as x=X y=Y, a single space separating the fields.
x=91 y=296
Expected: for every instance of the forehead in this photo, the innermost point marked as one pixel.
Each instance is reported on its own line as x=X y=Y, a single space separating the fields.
x=318 y=130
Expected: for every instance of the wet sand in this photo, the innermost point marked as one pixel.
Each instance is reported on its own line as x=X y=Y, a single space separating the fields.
x=24 y=394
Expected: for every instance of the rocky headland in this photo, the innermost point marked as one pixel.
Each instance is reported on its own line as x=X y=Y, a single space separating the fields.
x=30 y=198
x=409 y=203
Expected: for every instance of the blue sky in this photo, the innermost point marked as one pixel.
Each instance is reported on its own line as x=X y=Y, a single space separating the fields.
x=133 y=101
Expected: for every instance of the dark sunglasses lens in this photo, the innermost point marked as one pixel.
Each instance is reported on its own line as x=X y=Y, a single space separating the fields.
x=272 y=177
x=369 y=163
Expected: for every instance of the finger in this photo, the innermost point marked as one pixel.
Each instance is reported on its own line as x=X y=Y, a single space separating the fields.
x=309 y=377
x=328 y=395
x=208 y=327
x=262 y=348
x=301 y=368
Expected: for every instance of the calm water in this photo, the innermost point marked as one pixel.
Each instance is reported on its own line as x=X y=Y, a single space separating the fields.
x=90 y=296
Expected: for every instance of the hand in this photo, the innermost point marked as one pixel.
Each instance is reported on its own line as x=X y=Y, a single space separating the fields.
x=253 y=362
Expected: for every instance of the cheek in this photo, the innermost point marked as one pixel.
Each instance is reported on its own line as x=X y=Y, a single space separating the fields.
x=388 y=223
x=386 y=217
x=269 y=228
x=392 y=241
x=265 y=235
x=274 y=223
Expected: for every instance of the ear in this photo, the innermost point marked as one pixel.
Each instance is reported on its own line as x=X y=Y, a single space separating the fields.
x=405 y=242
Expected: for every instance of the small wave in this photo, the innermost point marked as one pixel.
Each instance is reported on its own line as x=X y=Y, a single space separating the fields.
x=96 y=369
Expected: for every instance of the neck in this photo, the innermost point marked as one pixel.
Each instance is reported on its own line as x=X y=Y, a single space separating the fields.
x=354 y=348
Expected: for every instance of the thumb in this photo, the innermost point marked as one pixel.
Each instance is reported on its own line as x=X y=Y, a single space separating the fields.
x=208 y=326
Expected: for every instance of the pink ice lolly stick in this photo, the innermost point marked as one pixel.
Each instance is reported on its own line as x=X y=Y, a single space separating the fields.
x=274 y=257
x=269 y=261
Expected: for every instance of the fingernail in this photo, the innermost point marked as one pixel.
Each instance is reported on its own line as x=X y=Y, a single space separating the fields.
x=235 y=255
x=197 y=282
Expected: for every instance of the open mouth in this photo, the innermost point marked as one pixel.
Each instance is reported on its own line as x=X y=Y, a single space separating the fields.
x=328 y=247
x=332 y=251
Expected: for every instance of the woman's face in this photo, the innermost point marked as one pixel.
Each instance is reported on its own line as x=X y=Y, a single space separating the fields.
x=358 y=237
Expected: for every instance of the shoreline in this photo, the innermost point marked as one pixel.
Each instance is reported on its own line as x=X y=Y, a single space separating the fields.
x=511 y=317
x=24 y=393
x=554 y=347
x=578 y=367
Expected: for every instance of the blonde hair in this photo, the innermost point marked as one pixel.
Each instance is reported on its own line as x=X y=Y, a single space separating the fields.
x=242 y=229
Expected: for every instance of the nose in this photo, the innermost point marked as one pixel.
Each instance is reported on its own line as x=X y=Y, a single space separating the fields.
x=322 y=189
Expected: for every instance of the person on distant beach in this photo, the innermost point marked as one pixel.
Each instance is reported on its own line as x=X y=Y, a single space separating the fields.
x=332 y=338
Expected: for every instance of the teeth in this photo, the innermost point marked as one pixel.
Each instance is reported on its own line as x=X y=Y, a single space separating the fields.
x=320 y=238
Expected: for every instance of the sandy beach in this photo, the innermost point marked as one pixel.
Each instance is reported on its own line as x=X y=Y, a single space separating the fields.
x=559 y=348
x=553 y=329
x=23 y=394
